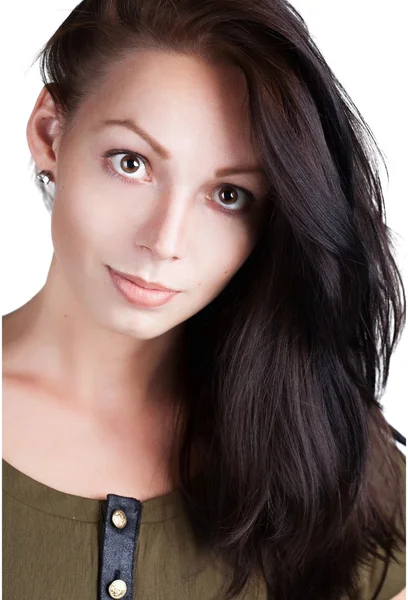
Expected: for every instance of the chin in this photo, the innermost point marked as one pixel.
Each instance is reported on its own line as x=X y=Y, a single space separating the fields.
x=139 y=325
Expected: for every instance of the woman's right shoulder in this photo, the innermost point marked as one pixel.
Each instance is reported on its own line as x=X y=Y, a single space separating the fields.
x=376 y=577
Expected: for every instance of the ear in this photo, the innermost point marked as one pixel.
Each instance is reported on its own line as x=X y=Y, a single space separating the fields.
x=44 y=132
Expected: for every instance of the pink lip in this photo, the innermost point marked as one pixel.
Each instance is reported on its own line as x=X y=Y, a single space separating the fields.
x=145 y=284
x=138 y=295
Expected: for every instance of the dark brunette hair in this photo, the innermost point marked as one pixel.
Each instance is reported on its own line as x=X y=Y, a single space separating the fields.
x=301 y=480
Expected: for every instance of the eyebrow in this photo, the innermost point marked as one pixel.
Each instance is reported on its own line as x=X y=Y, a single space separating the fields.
x=166 y=155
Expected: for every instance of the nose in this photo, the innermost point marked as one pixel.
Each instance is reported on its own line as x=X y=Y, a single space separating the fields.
x=166 y=228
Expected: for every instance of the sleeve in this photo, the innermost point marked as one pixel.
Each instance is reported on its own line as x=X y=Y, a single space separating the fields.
x=395 y=579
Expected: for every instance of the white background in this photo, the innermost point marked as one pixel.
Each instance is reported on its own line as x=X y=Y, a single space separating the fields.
x=362 y=42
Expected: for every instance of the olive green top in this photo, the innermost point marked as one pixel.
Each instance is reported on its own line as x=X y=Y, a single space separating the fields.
x=51 y=549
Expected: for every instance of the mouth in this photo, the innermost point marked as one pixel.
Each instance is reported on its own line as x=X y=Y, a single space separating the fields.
x=134 y=290
x=145 y=284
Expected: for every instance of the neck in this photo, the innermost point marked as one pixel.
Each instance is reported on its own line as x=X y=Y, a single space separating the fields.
x=56 y=340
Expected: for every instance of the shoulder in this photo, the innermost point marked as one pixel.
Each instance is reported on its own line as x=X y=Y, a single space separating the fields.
x=392 y=580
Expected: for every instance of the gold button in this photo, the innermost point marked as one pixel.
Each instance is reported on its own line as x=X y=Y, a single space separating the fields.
x=117 y=589
x=119 y=518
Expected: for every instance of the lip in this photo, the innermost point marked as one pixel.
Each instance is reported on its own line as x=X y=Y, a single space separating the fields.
x=144 y=284
x=138 y=295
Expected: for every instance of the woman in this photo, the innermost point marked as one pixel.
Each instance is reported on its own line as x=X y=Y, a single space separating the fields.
x=222 y=435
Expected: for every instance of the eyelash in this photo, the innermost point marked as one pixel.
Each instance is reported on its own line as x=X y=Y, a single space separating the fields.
x=232 y=213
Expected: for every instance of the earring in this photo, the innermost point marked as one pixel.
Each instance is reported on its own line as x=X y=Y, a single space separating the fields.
x=45 y=177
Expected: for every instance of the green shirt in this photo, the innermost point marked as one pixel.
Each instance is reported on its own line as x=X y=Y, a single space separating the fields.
x=52 y=544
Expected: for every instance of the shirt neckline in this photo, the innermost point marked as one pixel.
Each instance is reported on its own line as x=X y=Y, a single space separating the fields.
x=49 y=500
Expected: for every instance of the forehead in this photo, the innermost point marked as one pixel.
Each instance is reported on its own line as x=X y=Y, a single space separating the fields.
x=176 y=97
x=150 y=71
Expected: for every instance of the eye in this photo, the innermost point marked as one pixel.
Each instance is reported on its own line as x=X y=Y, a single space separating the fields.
x=130 y=166
x=234 y=199
x=133 y=166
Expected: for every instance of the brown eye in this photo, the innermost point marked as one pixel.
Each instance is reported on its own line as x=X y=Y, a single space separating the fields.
x=130 y=164
x=234 y=198
x=229 y=195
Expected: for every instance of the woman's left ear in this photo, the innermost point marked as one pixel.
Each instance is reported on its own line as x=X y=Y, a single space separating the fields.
x=43 y=133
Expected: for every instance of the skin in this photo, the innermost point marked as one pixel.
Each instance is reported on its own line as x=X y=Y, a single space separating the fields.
x=81 y=363
x=401 y=596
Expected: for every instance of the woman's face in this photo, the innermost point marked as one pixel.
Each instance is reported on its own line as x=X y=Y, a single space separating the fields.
x=162 y=211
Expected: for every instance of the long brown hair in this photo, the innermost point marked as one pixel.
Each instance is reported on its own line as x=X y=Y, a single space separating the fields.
x=301 y=479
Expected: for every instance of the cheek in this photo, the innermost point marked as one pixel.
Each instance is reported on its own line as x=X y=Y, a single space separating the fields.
x=75 y=231
x=78 y=217
x=220 y=261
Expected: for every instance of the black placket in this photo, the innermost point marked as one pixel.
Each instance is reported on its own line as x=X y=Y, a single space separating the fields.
x=118 y=547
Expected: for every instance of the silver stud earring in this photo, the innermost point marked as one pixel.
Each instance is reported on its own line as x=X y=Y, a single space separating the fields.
x=45 y=177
